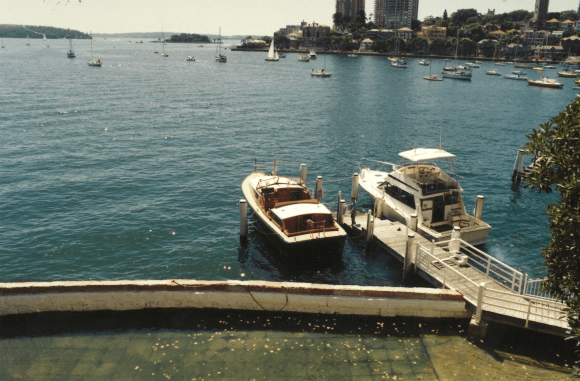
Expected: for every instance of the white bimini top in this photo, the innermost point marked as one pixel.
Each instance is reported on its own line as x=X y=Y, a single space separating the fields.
x=293 y=210
x=426 y=154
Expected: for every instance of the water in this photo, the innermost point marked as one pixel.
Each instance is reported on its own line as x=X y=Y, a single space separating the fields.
x=133 y=170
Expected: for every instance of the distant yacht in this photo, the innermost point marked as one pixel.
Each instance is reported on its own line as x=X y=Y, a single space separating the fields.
x=94 y=62
x=71 y=53
x=220 y=57
x=3 y=46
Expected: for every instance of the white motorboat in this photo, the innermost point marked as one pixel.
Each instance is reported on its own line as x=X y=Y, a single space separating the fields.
x=399 y=64
x=313 y=55
x=419 y=187
x=294 y=221
x=493 y=72
x=546 y=82
x=272 y=54
x=424 y=63
x=517 y=77
x=352 y=55
x=190 y=59
x=303 y=58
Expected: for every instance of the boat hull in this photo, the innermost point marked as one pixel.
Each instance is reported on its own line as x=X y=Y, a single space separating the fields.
x=311 y=245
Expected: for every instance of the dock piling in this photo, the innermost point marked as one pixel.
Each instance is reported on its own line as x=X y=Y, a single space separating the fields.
x=318 y=188
x=339 y=212
x=369 y=232
x=479 y=310
x=243 y=220
x=355 y=186
x=518 y=167
x=408 y=260
x=478 y=212
x=303 y=172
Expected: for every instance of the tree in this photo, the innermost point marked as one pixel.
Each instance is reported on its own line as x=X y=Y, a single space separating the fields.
x=468 y=47
x=445 y=15
x=568 y=15
x=461 y=16
x=418 y=45
x=475 y=32
x=440 y=46
x=267 y=39
x=472 y=20
x=557 y=166
x=337 y=19
x=361 y=17
x=415 y=25
x=487 y=48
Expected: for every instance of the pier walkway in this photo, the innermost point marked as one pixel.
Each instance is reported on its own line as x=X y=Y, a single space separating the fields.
x=494 y=290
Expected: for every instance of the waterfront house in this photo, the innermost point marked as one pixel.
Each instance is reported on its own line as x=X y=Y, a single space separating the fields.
x=558 y=33
x=365 y=44
x=405 y=33
x=518 y=50
x=433 y=31
x=564 y=25
x=571 y=44
x=378 y=34
x=499 y=34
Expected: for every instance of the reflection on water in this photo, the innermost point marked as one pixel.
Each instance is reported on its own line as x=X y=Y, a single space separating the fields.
x=222 y=345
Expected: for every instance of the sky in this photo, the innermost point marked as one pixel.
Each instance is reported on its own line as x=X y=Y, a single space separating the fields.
x=235 y=17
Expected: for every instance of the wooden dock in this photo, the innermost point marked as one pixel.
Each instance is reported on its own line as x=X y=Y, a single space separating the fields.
x=495 y=291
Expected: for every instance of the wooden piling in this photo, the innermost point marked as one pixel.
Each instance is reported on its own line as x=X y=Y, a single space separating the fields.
x=243 y=220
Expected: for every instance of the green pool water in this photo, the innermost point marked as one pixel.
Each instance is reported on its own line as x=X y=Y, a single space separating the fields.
x=218 y=345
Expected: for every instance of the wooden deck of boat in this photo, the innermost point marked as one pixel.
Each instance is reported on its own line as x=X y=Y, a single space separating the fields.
x=508 y=307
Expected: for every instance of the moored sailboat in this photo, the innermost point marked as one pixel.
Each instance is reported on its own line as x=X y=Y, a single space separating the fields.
x=71 y=53
x=220 y=57
x=272 y=53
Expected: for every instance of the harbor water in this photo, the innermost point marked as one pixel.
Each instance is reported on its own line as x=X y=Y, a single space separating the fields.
x=133 y=171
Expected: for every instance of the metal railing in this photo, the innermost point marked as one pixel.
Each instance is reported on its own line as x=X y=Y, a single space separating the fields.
x=542 y=309
x=488 y=265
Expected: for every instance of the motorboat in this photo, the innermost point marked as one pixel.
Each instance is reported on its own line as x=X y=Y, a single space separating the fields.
x=352 y=55
x=515 y=77
x=519 y=72
x=313 y=55
x=304 y=58
x=282 y=55
x=320 y=73
x=499 y=64
x=418 y=188
x=190 y=59
x=424 y=63
x=546 y=82
x=538 y=68
x=290 y=217
x=492 y=72
x=433 y=77
x=550 y=67
x=568 y=74
x=399 y=64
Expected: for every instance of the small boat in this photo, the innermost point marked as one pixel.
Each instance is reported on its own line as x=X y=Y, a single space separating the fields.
x=27 y=41
x=458 y=74
x=291 y=218
x=93 y=62
x=472 y=65
x=313 y=55
x=3 y=46
x=499 y=64
x=155 y=52
x=220 y=57
x=546 y=82
x=519 y=72
x=304 y=58
x=71 y=53
x=550 y=67
x=522 y=66
x=418 y=186
x=190 y=59
x=353 y=55
x=577 y=81
x=433 y=77
x=399 y=64
x=492 y=72
x=538 y=68
x=272 y=53
x=424 y=63
x=320 y=73
x=568 y=74
x=282 y=55
x=515 y=77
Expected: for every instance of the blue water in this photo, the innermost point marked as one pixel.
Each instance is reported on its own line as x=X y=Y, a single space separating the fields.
x=140 y=178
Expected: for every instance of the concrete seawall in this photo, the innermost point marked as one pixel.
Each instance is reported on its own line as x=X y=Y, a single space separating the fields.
x=34 y=297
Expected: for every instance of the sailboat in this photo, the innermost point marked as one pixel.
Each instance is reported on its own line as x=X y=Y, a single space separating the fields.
x=432 y=77
x=44 y=39
x=491 y=70
x=163 y=38
x=220 y=57
x=27 y=41
x=321 y=73
x=71 y=53
x=3 y=46
x=94 y=62
x=272 y=54
x=457 y=73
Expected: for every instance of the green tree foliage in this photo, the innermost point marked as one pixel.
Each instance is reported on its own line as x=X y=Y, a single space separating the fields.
x=468 y=47
x=568 y=15
x=472 y=20
x=280 y=39
x=381 y=46
x=507 y=24
x=487 y=48
x=474 y=32
x=417 y=45
x=415 y=25
x=185 y=37
x=461 y=16
x=556 y=146
x=337 y=19
x=18 y=31
x=268 y=39
x=440 y=46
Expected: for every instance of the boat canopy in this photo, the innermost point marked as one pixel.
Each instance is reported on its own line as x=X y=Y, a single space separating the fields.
x=293 y=210
x=426 y=154
x=274 y=182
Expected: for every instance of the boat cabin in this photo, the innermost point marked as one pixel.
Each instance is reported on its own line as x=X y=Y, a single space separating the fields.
x=287 y=202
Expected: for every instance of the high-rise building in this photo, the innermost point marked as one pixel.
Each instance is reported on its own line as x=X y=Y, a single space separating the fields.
x=396 y=14
x=350 y=7
x=541 y=9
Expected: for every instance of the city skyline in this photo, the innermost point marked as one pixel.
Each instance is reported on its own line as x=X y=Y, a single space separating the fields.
x=256 y=17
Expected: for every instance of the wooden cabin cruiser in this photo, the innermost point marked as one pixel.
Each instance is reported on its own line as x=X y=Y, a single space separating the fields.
x=294 y=221
x=546 y=82
x=419 y=186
